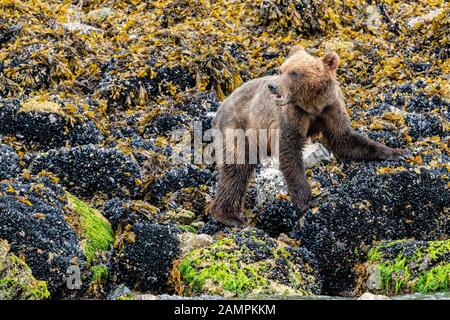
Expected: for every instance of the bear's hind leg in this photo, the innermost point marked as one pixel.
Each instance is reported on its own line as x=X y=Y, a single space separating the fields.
x=227 y=205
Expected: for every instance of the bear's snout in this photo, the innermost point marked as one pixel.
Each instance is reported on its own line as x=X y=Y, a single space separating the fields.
x=273 y=88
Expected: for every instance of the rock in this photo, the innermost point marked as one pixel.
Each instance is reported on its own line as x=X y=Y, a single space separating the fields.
x=32 y=220
x=371 y=296
x=16 y=279
x=173 y=297
x=81 y=27
x=176 y=179
x=190 y=241
x=120 y=292
x=8 y=31
x=416 y=22
x=303 y=17
x=409 y=266
x=269 y=182
x=248 y=263
x=92 y=227
x=9 y=162
x=315 y=153
x=374 y=281
x=46 y=124
x=336 y=45
x=374 y=22
x=8 y=111
x=144 y=256
x=200 y=107
x=212 y=227
x=193 y=199
x=164 y=124
x=121 y=212
x=99 y=14
x=373 y=204
x=89 y=170
x=422 y=125
x=131 y=90
x=181 y=216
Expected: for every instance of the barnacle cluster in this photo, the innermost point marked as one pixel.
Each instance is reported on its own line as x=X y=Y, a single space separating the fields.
x=92 y=91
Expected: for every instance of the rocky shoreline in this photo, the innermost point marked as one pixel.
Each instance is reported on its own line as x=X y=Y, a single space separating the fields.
x=92 y=205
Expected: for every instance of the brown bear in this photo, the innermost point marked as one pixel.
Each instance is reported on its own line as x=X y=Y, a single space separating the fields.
x=304 y=100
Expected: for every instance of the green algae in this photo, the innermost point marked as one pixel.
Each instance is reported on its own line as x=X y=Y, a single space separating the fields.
x=99 y=274
x=94 y=229
x=245 y=264
x=408 y=266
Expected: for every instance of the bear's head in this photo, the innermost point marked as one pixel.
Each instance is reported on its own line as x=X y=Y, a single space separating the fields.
x=306 y=81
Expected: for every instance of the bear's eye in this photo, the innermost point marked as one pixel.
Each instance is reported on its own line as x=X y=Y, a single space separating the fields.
x=295 y=74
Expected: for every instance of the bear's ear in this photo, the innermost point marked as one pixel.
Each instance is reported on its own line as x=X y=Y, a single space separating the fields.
x=295 y=49
x=331 y=60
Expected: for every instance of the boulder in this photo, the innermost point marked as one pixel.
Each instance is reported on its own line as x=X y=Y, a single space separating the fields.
x=46 y=123
x=144 y=255
x=89 y=170
x=247 y=263
x=32 y=220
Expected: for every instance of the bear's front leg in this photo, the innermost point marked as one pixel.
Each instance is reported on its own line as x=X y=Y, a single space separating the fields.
x=345 y=143
x=291 y=165
x=227 y=206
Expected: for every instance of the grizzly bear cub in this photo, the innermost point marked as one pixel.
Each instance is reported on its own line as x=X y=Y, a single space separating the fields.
x=304 y=100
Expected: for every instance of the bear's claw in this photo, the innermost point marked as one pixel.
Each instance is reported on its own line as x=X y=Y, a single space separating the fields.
x=400 y=154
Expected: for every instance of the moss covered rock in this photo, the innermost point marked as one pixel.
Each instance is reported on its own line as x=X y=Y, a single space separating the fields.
x=247 y=263
x=409 y=266
x=16 y=278
x=374 y=202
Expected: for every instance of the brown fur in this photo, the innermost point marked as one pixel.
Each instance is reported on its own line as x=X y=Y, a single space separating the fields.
x=304 y=100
